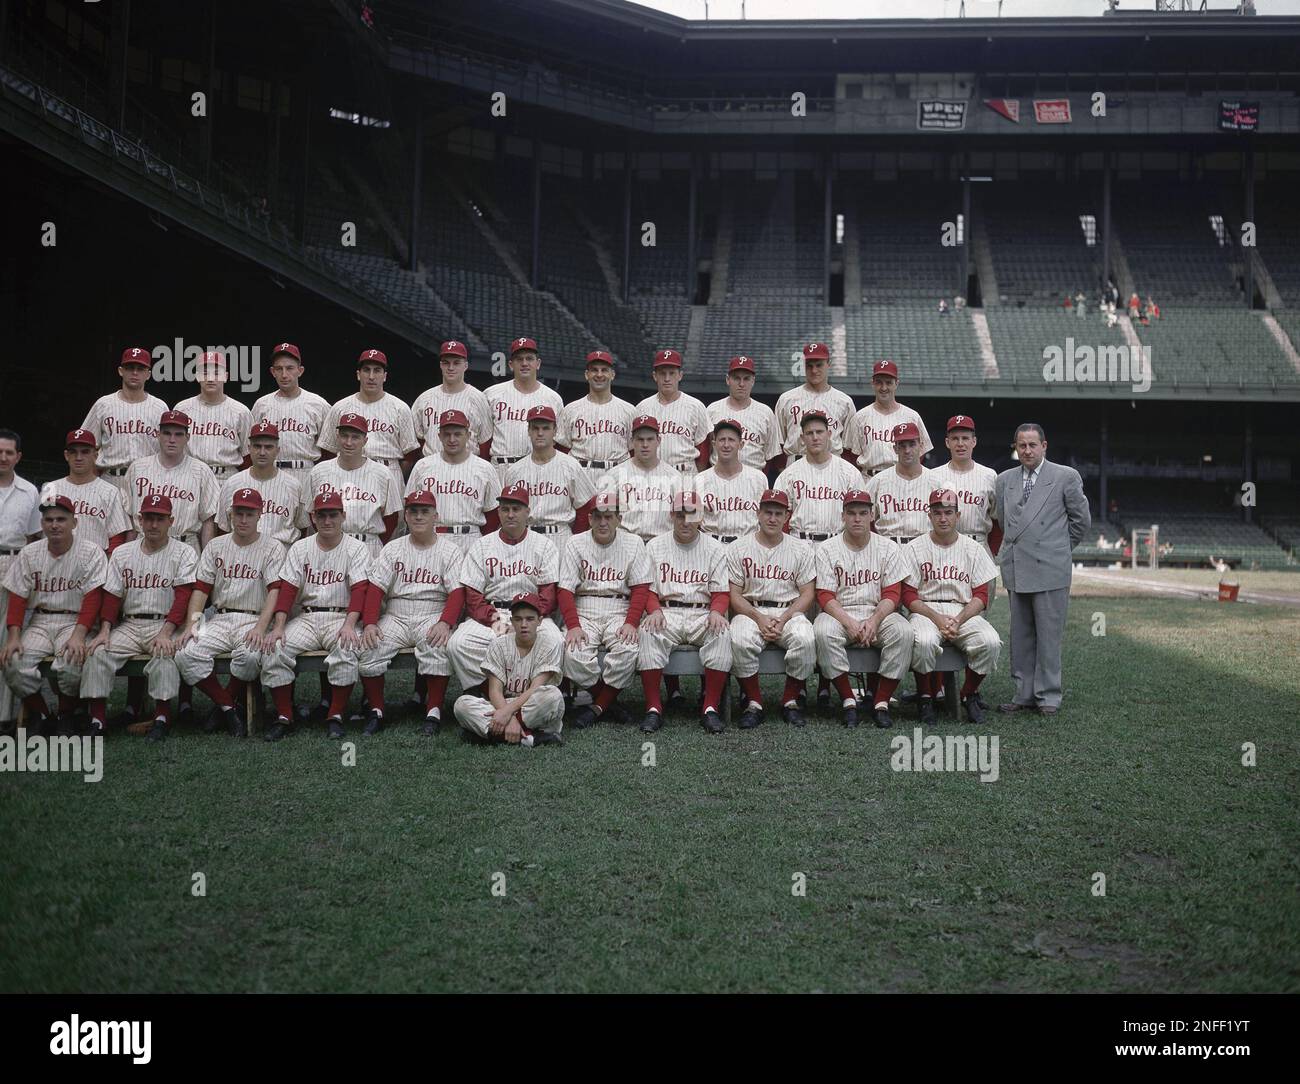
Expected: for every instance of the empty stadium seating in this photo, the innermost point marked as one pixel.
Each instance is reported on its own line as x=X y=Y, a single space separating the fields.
x=927 y=347
x=1020 y=335
x=1039 y=249
x=899 y=231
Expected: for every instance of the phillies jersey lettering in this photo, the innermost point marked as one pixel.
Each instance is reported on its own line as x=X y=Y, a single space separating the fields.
x=299 y=420
x=858 y=575
x=124 y=431
x=587 y=567
x=797 y=402
x=240 y=576
x=770 y=575
x=499 y=569
x=509 y=407
x=902 y=504
x=730 y=505
x=98 y=507
x=871 y=435
x=324 y=578
x=816 y=492
x=146 y=582
x=690 y=574
x=218 y=431
x=53 y=582
x=947 y=574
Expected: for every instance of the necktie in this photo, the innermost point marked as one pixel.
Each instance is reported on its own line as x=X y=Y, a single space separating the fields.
x=1029 y=485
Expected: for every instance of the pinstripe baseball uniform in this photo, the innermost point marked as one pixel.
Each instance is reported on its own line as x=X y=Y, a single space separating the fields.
x=369 y=494
x=976 y=491
x=816 y=493
x=770 y=579
x=20 y=516
x=299 y=420
x=857 y=576
x=509 y=409
x=545 y=708
x=684 y=578
x=646 y=497
x=945 y=577
x=596 y=432
x=218 y=433
x=465 y=492
x=124 y=432
x=429 y=406
x=236 y=579
x=797 y=402
x=415 y=580
x=601 y=579
x=391 y=430
x=190 y=484
x=683 y=425
x=871 y=436
x=281 y=504
x=730 y=505
x=760 y=440
x=556 y=490
x=101 y=512
x=902 y=504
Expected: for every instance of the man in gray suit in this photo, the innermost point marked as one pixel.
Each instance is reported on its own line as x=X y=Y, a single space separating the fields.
x=1045 y=515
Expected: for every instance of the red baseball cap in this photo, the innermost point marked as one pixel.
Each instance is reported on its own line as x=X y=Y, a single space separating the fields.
x=686 y=500
x=327 y=499
x=265 y=429
x=540 y=414
x=136 y=355
x=884 y=368
x=523 y=343
x=814 y=416
x=175 y=417
x=454 y=347
x=775 y=496
x=157 y=504
x=857 y=496
x=905 y=431
x=599 y=357
x=816 y=352
x=943 y=497
x=667 y=357
x=422 y=496
x=65 y=503
x=644 y=421
x=515 y=491
x=531 y=601
x=286 y=348
x=80 y=436
x=372 y=357
x=453 y=417
x=246 y=498
x=212 y=357
x=606 y=501
x=742 y=362
x=729 y=423
x=960 y=421
x=351 y=420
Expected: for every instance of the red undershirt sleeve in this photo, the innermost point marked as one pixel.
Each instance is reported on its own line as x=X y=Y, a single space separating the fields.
x=17 y=611
x=776 y=464
x=995 y=538
x=720 y=601
x=546 y=592
x=823 y=597
x=982 y=593
x=637 y=604
x=374 y=600
x=491 y=523
x=357 y=596
x=180 y=604
x=651 y=601
x=894 y=592
x=284 y=597
x=568 y=609
x=90 y=605
x=485 y=450
x=390 y=525
x=116 y=541
x=582 y=517
x=453 y=607
x=110 y=607
x=206 y=588
x=702 y=451
x=909 y=593
x=480 y=609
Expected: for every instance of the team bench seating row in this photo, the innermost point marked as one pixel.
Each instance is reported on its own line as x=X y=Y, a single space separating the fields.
x=684 y=662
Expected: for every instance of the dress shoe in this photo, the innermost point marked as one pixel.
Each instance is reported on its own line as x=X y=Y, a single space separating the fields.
x=584 y=717
x=792 y=715
x=336 y=727
x=1013 y=707
x=973 y=711
x=1047 y=709
x=158 y=731
x=712 y=722
x=750 y=718
x=849 y=716
x=432 y=724
x=926 y=715
x=374 y=723
x=653 y=721
x=883 y=721
x=281 y=728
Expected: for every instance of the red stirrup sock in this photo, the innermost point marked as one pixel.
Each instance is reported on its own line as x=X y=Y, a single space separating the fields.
x=374 y=690
x=971 y=683
x=211 y=687
x=98 y=708
x=236 y=688
x=750 y=687
x=339 y=695
x=843 y=687
x=714 y=682
x=884 y=690
x=435 y=692
x=650 y=686
x=793 y=687
x=282 y=697
x=602 y=700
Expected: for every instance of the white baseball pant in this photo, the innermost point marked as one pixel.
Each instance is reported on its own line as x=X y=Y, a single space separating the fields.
x=310 y=632
x=601 y=618
x=797 y=639
x=402 y=631
x=893 y=638
x=45 y=635
x=220 y=634
x=685 y=627
x=131 y=637
x=976 y=639
x=544 y=711
x=467 y=649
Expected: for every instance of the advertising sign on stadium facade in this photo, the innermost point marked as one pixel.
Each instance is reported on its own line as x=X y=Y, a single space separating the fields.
x=940 y=115
x=1239 y=116
x=1052 y=110
x=1006 y=107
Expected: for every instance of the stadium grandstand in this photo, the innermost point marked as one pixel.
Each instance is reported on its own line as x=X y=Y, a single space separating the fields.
x=346 y=174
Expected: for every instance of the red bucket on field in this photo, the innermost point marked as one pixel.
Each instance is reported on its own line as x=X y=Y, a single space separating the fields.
x=1228 y=592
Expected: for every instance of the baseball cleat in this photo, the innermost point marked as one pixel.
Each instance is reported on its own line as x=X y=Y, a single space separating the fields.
x=543 y=737
x=926 y=714
x=676 y=701
x=1012 y=707
x=823 y=701
x=653 y=721
x=238 y=724
x=281 y=728
x=849 y=716
x=584 y=717
x=185 y=712
x=215 y=720
x=883 y=721
x=336 y=727
x=374 y=723
x=979 y=700
x=750 y=718
x=158 y=731
x=973 y=711
x=792 y=715
x=712 y=722
x=431 y=726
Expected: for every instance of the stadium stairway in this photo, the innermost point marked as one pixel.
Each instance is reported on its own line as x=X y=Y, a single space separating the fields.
x=1282 y=338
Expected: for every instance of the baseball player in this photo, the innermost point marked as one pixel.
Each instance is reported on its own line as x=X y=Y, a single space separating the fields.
x=901 y=492
x=410 y=579
x=296 y=413
x=816 y=482
x=560 y=490
x=595 y=429
x=603 y=587
x=389 y=423
x=508 y=562
x=815 y=395
x=729 y=490
x=523 y=705
x=689 y=594
x=238 y=573
x=125 y=422
x=772 y=577
x=871 y=433
x=859 y=590
x=371 y=493
x=280 y=491
x=184 y=480
x=325 y=576
x=101 y=515
x=452 y=394
x=20 y=523
x=57 y=580
x=509 y=403
x=684 y=424
x=974 y=484
x=644 y=485
x=760 y=443
x=147 y=585
x=464 y=484
x=218 y=424
x=946 y=591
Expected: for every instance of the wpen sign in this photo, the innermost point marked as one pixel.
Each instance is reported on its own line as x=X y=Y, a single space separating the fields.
x=940 y=115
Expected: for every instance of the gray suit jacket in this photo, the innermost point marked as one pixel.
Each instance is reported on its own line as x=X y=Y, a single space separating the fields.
x=1039 y=537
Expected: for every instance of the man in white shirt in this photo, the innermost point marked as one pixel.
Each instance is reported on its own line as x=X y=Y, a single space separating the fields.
x=20 y=523
x=683 y=420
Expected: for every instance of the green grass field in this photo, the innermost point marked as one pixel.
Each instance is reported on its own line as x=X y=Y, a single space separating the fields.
x=620 y=877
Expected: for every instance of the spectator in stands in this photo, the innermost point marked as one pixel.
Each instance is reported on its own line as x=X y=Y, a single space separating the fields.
x=959 y=303
x=1068 y=303
x=1133 y=306
x=1111 y=318
x=943 y=307
x=1103 y=543
x=1112 y=293
x=1080 y=305
x=1151 y=312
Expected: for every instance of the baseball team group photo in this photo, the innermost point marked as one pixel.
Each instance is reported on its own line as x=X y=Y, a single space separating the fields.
x=475 y=520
